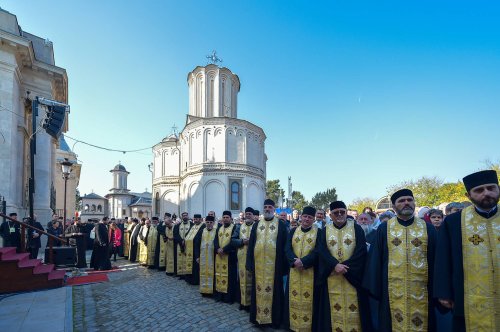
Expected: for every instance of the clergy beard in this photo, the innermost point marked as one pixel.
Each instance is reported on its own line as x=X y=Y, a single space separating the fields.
x=487 y=203
x=406 y=211
x=367 y=228
x=268 y=215
x=249 y=222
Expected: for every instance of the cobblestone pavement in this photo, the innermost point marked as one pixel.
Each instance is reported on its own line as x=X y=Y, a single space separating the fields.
x=141 y=299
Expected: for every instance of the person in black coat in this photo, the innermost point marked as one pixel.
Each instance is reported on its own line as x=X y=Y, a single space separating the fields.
x=76 y=235
x=132 y=256
x=11 y=233
x=100 y=257
x=34 y=242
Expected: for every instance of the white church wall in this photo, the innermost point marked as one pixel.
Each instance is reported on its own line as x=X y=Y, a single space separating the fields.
x=215 y=197
x=195 y=198
x=219 y=145
x=254 y=196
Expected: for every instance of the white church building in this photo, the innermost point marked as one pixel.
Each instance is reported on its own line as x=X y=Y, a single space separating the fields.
x=218 y=161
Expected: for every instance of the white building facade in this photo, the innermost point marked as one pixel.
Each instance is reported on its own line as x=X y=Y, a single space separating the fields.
x=27 y=65
x=218 y=161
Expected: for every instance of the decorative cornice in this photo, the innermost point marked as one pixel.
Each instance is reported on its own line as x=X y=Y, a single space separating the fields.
x=222 y=121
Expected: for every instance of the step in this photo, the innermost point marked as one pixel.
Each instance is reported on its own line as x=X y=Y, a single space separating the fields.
x=45 y=268
x=7 y=251
x=57 y=274
x=15 y=257
x=29 y=263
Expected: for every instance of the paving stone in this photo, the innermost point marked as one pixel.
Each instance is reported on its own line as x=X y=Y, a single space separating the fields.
x=145 y=299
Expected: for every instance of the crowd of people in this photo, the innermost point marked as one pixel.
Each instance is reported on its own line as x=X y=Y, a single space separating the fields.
x=332 y=270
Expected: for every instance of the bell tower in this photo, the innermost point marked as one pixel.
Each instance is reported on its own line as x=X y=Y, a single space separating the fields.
x=120 y=175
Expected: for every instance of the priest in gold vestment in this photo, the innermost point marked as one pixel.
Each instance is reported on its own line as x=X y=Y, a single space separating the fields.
x=192 y=240
x=240 y=240
x=226 y=261
x=267 y=262
x=467 y=278
x=344 y=305
x=206 y=258
x=152 y=243
x=142 y=249
x=168 y=240
x=399 y=269
x=302 y=292
x=126 y=237
x=180 y=231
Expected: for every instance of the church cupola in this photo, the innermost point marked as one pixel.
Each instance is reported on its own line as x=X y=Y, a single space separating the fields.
x=213 y=92
x=120 y=175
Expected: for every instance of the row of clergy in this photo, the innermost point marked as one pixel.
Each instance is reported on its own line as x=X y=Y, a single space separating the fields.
x=311 y=278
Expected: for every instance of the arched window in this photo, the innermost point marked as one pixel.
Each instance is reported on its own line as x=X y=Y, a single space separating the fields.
x=99 y=208
x=86 y=208
x=235 y=195
x=92 y=209
x=157 y=204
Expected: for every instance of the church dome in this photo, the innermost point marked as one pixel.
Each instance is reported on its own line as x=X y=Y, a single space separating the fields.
x=119 y=167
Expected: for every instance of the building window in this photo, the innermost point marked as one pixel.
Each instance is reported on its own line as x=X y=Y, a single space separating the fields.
x=235 y=195
x=99 y=208
x=92 y=209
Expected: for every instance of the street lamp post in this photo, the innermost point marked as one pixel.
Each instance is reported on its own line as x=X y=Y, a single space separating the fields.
x=66 y=170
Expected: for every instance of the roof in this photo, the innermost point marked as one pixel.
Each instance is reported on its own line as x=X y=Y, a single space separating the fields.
x=140 y=201
x=93 y=196
x=119 y=167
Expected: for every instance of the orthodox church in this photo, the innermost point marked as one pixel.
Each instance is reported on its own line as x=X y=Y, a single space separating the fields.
x=217 y=162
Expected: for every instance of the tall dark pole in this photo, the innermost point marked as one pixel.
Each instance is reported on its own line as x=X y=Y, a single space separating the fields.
x=31 y=183
x=65 y=186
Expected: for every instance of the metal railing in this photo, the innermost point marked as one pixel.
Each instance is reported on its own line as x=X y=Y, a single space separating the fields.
x=24 y=225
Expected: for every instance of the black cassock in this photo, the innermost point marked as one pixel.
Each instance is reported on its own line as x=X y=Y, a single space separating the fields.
x=133 y=243
x=375 y=278
x=354 y=276
x=280 y=270
x=309 y=261
x=100 y=257
x=449 y=267
x=78 y=241
x=233 y=287
x=194 y=278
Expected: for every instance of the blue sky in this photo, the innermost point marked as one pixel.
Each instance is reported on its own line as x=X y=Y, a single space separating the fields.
x=356 y=95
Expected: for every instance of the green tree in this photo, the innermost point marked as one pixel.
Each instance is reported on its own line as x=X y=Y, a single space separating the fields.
x=493 y=165
x=452 y=192
x=323 y=199
x=298 y=201
x=274 y=191
x=78 y=200
x=425 y=190
x=359 y=204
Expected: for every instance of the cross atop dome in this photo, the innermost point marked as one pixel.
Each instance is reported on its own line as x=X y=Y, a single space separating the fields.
x=213 y=58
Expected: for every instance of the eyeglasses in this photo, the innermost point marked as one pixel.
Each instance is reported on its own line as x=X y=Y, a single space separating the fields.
x=338 y=213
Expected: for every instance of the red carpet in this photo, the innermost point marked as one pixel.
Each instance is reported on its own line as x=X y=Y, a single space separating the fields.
x=74 y=281
x=113 y=269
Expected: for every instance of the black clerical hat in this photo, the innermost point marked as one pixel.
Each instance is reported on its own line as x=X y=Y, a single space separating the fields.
x=197 y=215
x=269 y=201
x=401 y=193
x=209 y=218
x=256 y=212
x=168 y=214
x=480 y=178
x=309 y=210
x=227 y=213
x=337 y=205
x=249 y=209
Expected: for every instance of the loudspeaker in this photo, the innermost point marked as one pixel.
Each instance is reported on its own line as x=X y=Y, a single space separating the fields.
x=62 y=256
